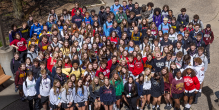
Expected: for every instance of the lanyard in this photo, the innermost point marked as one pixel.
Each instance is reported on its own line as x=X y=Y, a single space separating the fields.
x=59 y=77
x=183 y=17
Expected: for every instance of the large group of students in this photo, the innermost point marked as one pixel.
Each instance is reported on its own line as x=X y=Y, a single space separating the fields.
x=125 y=55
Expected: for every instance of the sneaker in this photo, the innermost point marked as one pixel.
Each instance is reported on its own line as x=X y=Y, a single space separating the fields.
x=166 y=107
x=154 y=108
x=22 y=99
x=199 y=94
x=137 y=107
x=158 y=108
x=149 y=107
x=169 y=107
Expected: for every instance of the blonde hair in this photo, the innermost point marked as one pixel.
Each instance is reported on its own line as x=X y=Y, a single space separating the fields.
x=145 y=49
x=149 y=75
x=65 y=86
x=54 y=87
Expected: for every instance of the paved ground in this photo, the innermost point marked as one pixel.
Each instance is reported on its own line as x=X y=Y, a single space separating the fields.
x=208 y=12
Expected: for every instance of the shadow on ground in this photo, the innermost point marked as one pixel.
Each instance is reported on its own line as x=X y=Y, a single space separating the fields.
x=208 y=92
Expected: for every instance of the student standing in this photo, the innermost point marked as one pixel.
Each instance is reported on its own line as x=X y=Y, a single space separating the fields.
x=30 y=91
x=55 y=96
x=192 y=86
x=20 y=77
x=107 y=95
x=67 y=95
x=95 y=93
x=177 y=89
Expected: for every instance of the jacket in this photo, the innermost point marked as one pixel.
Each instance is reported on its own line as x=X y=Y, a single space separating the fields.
x=20 y=77
x=29 y=87
x=199 y=73
x=106 y=27
x=134 y=93
x=14 y=65
x=61 y=78
x=193 y=34
x=137 y=38
x=107 y=95
x=49 y=24
x=204 y=60
x=183 y=19
x=77 y=19
x=94 y=94
x=119 y=88
x=36 y=29
x=198 y=22
x=79 y=96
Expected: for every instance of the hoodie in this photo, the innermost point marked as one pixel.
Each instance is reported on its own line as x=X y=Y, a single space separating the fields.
x=21 y=44
x=36 y=29
x=119 y=88
x=32 y=55
x=29 y=87
x=138 y=67
x=204 y=60
x=105 y=71
x=199 y=73
x=120 y=17
x=77 y=19
x=115 y=8
x=49 y=24
x=198 y=22
x=208 y=36
x=106 y=28
x=107 y=95
x=94 y=94
x=88 y=20
x=67 y=96
x=79 y=96
x=25 y=33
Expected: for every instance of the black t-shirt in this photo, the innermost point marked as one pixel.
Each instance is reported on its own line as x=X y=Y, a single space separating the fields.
x=137 y=11
x=159 y=64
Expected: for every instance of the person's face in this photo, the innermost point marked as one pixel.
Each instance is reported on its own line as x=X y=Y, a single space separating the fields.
x=103 y=66
x=124 y=70
x=60 y=63
x=195 y=20
x=95 y=66
x=55 y=40
x=125 y=53
x=208 y=29
x=186 y=35
x=136 y=6
x=116 y=3
x=113 y=34
x=196 y=28
x=157 y=13
x=70 y=84
x=199 y=38
x=80 y=83
x=51 y=18
x=178 y=58
x=158 y=55
x=76 y=5
x=179 y=38
x=196 y=64
x=193 y=47
x=130 y=80
x=42 y=66
x=18 y=36
x=115 y=76
x=23 y=67
x=178 y=75
x=96 y=81
x=173 y=66
x=57 y=84
x=149 y=32
x=130 y=59
x=183 y=13
x=170 y=13
x=181 y=29
x=168 y=56
x=158 y=77
x=165 y=21
x=43 y=76
x=120 y=11
x=56 y=55
x=30 y=77
x=114 y=60
x=88 y=78
x=107 y=10
x=106 y=82
x=189 y=71
x=58 y=70
x=178 y=45
x=165 y=37
x=73 y=78
x=139 y=58
x=66 y=60
x=75 y=65
x=149 y=58
x=32 y=49
x=27 y=61
x=200 y=52
x=45 y=40
x=90 y=67
x=164 y=71
x=30 y=18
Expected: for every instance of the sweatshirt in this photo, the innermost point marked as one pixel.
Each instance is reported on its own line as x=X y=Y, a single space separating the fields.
x=32 y=55
x=49 y=24
x=120 y=17
x=167 y=85
x=208 y=36
x=177 y=86
x=77 y=19
x=36 y=29
x=21 y=44
x=43 y=86
x=138 y=67
x=117 y=30
x=191 y=84
x=79 y=96
x=137 y=38
x=106 y=27
x=204 y=60
x=131 y=66
x=54 y=99
x=157 y=87
x=164 y=27
x=119 y=88
x=106 y=71
x=67 y=96
x=20 y=77
x=78 y=72
x=88 y=20
x=25 y=33
x=199 y=73
x=29 y=87
x=50 y=63
x=146 y=84
x=94 y=94
x=115 y=8
x=107 y=95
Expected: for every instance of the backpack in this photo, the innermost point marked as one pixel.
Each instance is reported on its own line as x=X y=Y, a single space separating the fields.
x=141 y=61
x=25 y=82
x=30 y=55
x=79 y=70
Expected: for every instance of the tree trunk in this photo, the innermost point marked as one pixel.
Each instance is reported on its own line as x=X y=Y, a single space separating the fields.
x=18 y=11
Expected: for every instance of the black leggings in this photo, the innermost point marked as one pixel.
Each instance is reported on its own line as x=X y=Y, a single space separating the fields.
x=132 y=103
x=23 y=55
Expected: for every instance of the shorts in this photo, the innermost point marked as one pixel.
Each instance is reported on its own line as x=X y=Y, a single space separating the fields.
x=65 y=105
x=53 y=106
x=44 y=99
x=80 y=104
x=177 y=96
x=190 y=94
x=146 y=92
x=118 y=97
x=108 y=103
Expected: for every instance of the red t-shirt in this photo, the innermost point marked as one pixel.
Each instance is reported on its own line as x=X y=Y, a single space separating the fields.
x=50 y=63
x=20 y=44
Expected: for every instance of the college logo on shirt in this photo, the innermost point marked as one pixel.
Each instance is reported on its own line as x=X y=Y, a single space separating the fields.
x=179 y=86
x=108 y=91
x=106 y=72
x=77 y=20
x=138 y=64
x=188 y=81
x=159 y=64
x=20 y=43
x=80 y=93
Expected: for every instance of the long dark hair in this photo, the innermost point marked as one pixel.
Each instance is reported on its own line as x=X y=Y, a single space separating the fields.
x=141 y=82
x=193 y=73
x=76 y=88
x=155 y=75
x=133 y=85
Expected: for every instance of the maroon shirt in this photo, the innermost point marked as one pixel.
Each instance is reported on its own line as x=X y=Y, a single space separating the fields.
x=177 y=86
x=167 y=85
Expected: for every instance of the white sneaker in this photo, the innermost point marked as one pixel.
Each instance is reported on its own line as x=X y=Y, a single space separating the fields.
x=89 y=107
x=137 y=107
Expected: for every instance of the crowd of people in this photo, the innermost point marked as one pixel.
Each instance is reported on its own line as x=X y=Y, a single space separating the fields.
x=125 y=55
